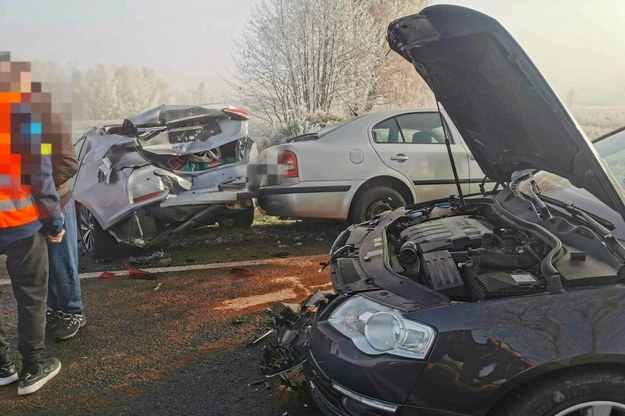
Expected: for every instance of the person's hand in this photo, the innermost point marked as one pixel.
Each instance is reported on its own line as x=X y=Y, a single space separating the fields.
x=56 y=238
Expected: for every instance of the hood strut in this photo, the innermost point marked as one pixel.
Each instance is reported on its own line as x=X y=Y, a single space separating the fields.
x=451 y=156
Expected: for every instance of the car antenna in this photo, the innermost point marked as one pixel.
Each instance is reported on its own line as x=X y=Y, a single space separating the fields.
x=451 y=156
x=345 y=102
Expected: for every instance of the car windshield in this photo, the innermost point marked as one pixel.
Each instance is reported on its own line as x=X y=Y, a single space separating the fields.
x=612 y=149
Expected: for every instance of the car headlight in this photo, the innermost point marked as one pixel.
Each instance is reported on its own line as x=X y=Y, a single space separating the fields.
x=378 y=329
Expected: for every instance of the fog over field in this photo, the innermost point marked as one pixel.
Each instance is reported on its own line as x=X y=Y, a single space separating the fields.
x=123 y=56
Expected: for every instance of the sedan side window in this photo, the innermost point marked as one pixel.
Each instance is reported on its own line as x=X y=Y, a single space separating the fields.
x=387 y=131
x=422 y=128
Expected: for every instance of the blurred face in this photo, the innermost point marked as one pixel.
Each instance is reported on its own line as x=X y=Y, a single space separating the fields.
x=25 y=81
x=15 y=77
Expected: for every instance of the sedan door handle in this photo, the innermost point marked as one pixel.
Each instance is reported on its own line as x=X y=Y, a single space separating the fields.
x=400 y=157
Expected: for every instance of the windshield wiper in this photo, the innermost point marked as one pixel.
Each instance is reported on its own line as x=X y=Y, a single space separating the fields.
x=600 y=226
x=572 y=208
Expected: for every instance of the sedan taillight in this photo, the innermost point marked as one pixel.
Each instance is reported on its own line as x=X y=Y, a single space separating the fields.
x=288 y=161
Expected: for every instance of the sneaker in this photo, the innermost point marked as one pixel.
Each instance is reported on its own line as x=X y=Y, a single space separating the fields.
x=30 y=383
x=53 y=319
x=68 y=327
x=81 y=318
x=8 y=374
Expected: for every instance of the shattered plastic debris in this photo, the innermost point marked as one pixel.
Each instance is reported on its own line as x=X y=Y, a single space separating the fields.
x=284 y=353
x=260 y=338
x=157 y=287
x=137 y=273
x=107 y=275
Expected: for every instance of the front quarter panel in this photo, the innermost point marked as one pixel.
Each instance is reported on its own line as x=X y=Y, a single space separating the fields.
x=485 y=349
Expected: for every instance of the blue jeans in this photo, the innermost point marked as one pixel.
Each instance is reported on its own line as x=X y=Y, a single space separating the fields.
x=63 y=282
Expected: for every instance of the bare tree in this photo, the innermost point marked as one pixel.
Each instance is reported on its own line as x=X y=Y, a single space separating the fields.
x=298 y=58
x=398 y=84
x=112 y=92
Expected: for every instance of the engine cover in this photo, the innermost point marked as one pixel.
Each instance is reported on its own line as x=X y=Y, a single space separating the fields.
x=451 y=233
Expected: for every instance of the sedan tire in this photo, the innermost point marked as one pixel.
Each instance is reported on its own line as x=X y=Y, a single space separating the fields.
x=374 y=201
x=96 y=242
x=242 y=220
x=596 y=392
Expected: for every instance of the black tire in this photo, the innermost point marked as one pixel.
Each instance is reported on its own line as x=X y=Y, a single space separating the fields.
x=374 y=201
x=568 y=394
x=242 y=220
x=96 y=242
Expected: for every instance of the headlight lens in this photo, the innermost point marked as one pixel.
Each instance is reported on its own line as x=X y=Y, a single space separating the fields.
x=378 y=329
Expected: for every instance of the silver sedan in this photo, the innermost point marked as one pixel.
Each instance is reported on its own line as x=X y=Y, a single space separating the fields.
x=368 y=164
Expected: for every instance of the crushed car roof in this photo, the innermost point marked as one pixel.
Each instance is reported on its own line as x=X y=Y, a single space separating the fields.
x=505 y=110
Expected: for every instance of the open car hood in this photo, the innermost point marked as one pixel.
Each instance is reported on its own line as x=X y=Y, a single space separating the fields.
x=505 y=110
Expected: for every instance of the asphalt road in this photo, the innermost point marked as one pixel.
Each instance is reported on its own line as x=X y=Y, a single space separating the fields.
x=175 y=350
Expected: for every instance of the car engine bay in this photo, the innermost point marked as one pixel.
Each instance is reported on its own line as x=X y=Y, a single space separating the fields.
x=489 y=247
x=471 y=253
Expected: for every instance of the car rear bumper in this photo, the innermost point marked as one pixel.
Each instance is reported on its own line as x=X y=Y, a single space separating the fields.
x=306 y=200
x=207 y=197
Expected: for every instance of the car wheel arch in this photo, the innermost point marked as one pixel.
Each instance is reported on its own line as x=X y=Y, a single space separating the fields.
x=543 y=374
x=392 y=182
x=91 y=209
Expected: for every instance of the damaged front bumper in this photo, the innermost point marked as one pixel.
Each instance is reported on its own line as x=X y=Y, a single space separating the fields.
x=286 y=344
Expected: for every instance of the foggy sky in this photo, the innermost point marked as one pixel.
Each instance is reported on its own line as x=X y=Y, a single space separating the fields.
x=578 y=45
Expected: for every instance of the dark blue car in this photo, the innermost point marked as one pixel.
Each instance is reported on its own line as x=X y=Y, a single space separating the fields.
x=510 y=302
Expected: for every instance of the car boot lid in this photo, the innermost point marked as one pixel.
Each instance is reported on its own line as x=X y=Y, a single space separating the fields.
x=507 y=113
x=220 y=124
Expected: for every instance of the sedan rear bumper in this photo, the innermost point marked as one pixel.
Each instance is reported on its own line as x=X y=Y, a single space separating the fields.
x=306 y=201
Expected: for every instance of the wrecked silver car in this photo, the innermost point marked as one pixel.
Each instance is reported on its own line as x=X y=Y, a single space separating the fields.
x=161 y=172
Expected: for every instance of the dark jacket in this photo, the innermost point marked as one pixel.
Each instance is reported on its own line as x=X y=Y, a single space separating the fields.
x=64 y=163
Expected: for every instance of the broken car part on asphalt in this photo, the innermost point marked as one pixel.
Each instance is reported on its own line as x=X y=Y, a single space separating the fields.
x=487 y=303
x=162 y=172
x=286 y=344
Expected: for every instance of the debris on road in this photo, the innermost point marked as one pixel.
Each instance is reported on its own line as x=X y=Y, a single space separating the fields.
x=107 y=275
x=284 y=355
x=260 y=338
x=157 y=287
x=137 y=273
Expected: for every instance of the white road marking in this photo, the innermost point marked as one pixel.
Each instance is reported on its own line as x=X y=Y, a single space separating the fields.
x=174 y=269
x=249 y=301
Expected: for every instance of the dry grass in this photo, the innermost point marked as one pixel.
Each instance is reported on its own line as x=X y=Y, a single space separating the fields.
x=597 y=121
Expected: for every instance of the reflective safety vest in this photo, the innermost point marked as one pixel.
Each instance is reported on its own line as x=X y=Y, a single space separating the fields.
x=16 y=211
x=17 y=206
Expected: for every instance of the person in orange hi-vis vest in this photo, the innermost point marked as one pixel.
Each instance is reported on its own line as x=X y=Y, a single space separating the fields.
x=30 y=213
